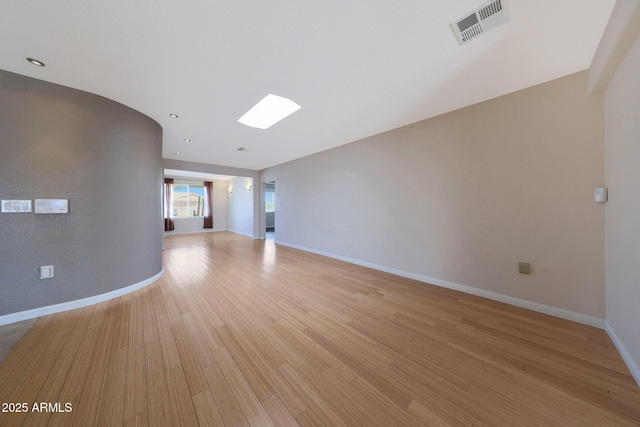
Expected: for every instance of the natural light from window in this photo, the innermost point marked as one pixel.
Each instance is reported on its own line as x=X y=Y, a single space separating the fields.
x=269 y=111
x=188 y=201
x=270 y=201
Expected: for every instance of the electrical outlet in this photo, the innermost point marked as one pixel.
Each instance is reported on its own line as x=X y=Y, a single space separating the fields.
x=524 y=268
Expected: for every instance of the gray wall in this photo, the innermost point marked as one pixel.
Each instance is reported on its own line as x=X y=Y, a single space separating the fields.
x=464 y=196
x=241 y=216
x=57 y=142
x=622 y=242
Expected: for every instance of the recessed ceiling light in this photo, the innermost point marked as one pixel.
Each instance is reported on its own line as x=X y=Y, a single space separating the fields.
x=187 y=140
x=175 y=116
x=177 y=152
x=36 y=62
x=269 y=111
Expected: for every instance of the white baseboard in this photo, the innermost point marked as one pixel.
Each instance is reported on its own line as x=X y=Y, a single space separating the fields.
x=624 y=353
x=71 y=305
x=204 y=230
x=518 y=302
x=241 y=233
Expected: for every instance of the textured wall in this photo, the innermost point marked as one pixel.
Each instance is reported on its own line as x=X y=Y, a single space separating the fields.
x=57 y=142
x=464 y=196
x=622 y=242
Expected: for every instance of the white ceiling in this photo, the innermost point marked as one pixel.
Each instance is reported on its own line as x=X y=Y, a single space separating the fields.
x=190 y=175
x=356 y=67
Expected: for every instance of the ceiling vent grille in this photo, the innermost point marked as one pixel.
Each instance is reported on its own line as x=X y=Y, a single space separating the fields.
x=487 y=17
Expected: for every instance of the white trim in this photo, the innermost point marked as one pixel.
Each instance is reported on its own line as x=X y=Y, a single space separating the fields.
x=541 y=308
x=71 y=305
x=204 y=230
x=241 y=233
x=624 y=353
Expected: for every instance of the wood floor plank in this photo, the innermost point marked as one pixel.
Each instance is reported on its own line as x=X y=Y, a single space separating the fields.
x=348 y=393
x=29 y=387
x=62 y=331
x=253 y=339
x=251 y=407
x=321 y=408
x=399 y=415
x=189 y=361
x=426 y=416
x=245 y=333
x=514 y=400
x=135 y=386
x=121 y=327
x=12 y=350
x=182 y=406
x=139 y=420
x=71 y=345
x=207 y=409
x=50 y=391
x=278 y=412
x=203 y=344
x=268 y=369
x=309 y=419
x=75 y=382
x=102 y=354
x=113 y=393
x=544 y=394
x=136 y=324
x=242 y=359
x=170 y=353
x=393 y=393
x=302 y=344
x=278 y=343
x=228 y=406
x=158 y=398
x=150 y=326
x=87 y=406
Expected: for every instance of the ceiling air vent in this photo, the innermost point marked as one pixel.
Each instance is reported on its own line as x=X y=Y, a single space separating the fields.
x=487 y=17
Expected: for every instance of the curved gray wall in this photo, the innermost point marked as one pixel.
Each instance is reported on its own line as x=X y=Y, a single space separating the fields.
x=57 y=142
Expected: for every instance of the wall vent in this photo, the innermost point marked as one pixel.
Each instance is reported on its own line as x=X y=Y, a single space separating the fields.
x=487 y=17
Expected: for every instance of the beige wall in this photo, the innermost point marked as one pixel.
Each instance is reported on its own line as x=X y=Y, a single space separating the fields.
x=464 y=196
x=622 y=242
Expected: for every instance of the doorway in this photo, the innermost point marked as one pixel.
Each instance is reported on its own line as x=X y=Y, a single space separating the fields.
x=270 y=210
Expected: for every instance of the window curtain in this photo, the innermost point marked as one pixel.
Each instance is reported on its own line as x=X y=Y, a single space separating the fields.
x=168 y=205
x=208 y=204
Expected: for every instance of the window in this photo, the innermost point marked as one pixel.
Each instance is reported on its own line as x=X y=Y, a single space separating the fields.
x=188 y=201
x=270 y=201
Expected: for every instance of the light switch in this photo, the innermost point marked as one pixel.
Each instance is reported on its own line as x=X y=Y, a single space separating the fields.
x=46 y=272
x=600 y=195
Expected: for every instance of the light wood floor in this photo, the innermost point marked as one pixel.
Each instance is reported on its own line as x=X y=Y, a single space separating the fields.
x=11 y=334
x=242 y=332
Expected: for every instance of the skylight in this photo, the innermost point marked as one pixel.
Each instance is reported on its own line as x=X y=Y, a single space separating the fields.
x=269 y=111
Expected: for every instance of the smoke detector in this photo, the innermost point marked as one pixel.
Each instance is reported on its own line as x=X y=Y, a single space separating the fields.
x=487 y=17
